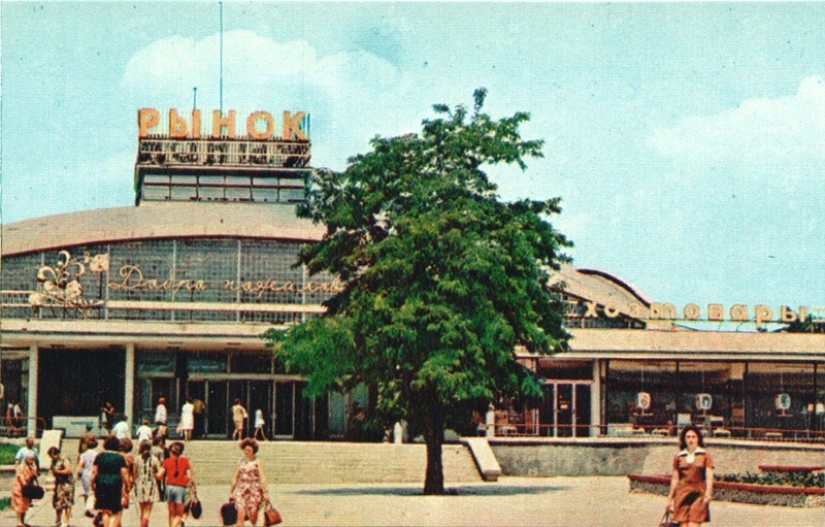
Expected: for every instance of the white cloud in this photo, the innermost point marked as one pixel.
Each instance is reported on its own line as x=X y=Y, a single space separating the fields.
x=350 y=95
x=776 y=132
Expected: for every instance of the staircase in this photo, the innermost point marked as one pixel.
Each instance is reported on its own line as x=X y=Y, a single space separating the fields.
x=295 y=462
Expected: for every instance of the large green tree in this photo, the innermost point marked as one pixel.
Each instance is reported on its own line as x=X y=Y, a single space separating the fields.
x=442 y=280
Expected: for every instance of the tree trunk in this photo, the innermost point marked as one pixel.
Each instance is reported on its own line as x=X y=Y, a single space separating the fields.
x=434 y=436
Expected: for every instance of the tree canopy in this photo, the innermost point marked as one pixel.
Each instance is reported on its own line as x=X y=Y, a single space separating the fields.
x=442 y=280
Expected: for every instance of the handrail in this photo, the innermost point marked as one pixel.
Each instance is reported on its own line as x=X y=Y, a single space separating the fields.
x=11 y=427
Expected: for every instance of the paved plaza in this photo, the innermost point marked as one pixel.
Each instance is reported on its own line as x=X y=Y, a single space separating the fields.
x=562 y=502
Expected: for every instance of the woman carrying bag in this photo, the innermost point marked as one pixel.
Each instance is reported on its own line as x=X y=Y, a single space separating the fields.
x=25 y=474
x=63 y=497
x=249 y=490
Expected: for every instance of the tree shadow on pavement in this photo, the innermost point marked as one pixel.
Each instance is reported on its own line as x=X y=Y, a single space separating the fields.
x=481 y=490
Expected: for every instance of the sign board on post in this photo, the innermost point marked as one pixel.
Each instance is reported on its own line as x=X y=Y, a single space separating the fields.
x=643 y=400
x=704 y=401
x=782 y=402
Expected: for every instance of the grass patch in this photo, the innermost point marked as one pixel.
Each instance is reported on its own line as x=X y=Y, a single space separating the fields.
x=7 y=452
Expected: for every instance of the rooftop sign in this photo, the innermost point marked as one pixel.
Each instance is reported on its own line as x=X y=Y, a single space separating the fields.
x=759 y=313
x=259 y=125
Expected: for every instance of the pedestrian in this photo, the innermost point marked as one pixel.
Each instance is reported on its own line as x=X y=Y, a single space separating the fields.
x=187 y=419
x=159 y=451
x=26 y=449
x=107 y=416
x=24 y=473
x=239 y=417
x=147 y=489
x=83 y=442
x=144 y=432
x=108 y=477
x=17 y=413
x=249 y=489
x=160 y=416
x=121 y=428
x=63 y=497
x=10 y=419
x=84 y=474
x=177 y=474
x=691 y=487
x=259 y=425
x=199 y=411
x=126 y=451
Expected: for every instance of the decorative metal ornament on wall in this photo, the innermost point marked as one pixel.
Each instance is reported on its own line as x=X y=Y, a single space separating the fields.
x=61 y=283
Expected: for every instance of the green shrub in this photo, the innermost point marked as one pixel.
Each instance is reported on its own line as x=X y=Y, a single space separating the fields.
x=5 y=503
x=7 y=452
x=788 y=479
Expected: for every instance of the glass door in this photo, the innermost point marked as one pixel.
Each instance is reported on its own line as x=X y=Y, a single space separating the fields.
x=260 y=398
x=284 y=410
x=565 y=406
x=217 y=410
x=565 y=411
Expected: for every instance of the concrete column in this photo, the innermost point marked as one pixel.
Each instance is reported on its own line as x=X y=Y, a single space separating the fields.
x=490 y=420
x=129 y=384
x=31 y=403
x=596 y=399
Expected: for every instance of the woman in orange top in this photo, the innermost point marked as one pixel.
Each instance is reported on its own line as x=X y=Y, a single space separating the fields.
x=24 y=473
x=691 y=487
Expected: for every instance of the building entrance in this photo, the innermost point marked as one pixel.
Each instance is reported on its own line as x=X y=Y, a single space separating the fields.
x=565 y=411
x=78 y=382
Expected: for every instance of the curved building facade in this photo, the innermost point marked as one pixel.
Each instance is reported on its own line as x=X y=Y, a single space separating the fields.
x=169 y=298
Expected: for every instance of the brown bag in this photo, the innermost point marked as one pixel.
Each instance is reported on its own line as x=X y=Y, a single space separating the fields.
x=665 y=521
x=271 y=515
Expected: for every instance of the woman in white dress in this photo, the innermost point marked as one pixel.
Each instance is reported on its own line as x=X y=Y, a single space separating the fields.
x=187 y=419
x=259 y=425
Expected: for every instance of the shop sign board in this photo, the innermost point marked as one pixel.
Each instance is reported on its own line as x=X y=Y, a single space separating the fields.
x=704 y=401
x=260 y=125
x=643 y=400
x=782 y=401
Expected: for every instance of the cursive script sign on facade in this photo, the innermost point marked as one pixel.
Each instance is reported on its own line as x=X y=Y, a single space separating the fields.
x=132 y=279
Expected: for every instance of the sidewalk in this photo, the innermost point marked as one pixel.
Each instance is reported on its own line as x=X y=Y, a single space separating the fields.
x=553 y=502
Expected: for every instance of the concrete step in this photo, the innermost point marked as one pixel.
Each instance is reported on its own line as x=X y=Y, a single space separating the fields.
x=288 y=462
x=300 y=462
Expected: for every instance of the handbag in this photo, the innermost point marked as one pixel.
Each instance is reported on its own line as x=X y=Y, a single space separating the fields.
x=665 y=521
x=195 y=508
x=271 y=515
x=229 y=514
x=33 y=491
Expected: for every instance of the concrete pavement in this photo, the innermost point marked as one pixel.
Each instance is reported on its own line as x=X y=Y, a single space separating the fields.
x=553 y=502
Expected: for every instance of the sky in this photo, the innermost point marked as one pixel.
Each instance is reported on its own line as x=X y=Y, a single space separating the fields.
x=686 y=140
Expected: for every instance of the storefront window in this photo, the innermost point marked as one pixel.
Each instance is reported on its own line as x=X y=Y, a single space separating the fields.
x=207 y=362
x=251 y=362
x=627 y=379
x=154 y=362
x=773 y=386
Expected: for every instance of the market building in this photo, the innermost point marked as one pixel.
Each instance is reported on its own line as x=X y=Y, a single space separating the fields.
x=169 y=298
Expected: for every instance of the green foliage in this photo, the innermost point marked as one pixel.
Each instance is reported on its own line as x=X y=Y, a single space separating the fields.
x=7 y=452
x=5 y=503
x=442 y=280
x=808 y=325
x=787 y=479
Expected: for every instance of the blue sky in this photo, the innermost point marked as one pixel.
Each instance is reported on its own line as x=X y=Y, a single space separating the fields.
x=687 y=141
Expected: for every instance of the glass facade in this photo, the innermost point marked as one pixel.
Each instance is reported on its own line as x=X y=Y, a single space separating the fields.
x=743 y=395
x=177 y=280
